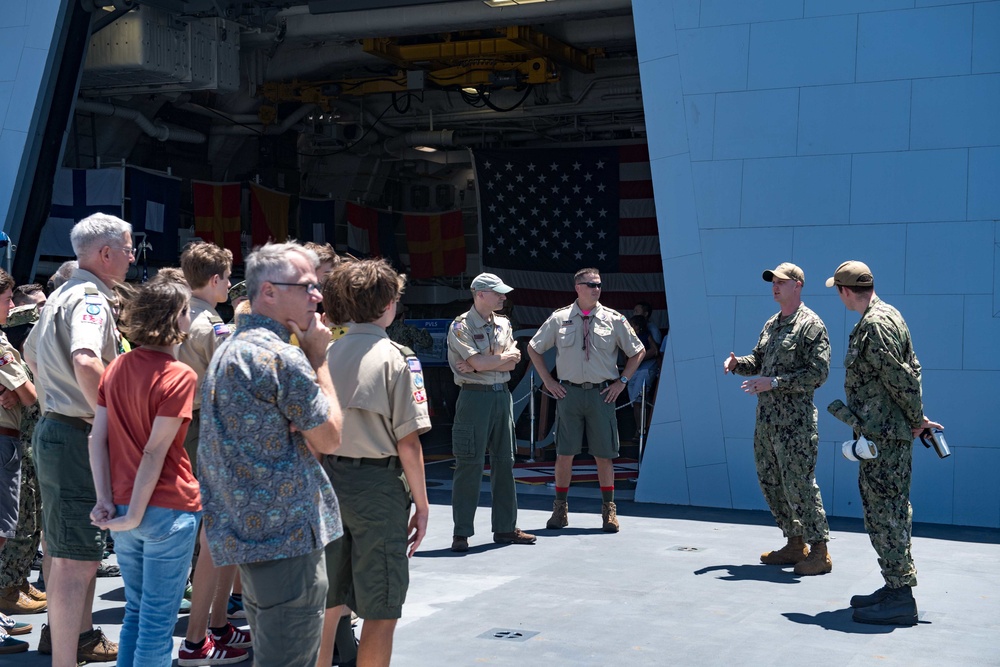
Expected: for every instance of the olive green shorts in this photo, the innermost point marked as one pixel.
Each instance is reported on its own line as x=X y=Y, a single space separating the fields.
x=191 y=440
x=62 y=462
x=584 y=411
x=367 y=567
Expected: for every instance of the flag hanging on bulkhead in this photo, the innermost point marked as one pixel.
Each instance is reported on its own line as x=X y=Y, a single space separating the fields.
x=436 y=243
x=268 y=215
x=154 y=209
x=217 y=215
x=316 y=220
x=371 y=232
x=77 y=193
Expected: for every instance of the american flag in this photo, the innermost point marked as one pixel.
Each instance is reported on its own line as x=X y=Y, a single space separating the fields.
x=546 y=213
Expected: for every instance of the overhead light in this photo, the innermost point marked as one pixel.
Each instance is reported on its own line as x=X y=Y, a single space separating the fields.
x=511 y=3
x=470 y=90
x=425 y=149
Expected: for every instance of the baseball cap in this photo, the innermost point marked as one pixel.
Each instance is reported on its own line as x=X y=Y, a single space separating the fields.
x=489 y=281
x=785 y=271
x=852 y=273
x=238 y=290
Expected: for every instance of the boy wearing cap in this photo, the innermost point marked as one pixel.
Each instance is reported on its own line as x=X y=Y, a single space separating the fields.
x=883 y=390
x=791 y=360
x=481 y=353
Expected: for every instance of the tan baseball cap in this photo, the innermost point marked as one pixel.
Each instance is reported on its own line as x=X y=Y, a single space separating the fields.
x=852 y=273
x=490 y=281
x=785 y=271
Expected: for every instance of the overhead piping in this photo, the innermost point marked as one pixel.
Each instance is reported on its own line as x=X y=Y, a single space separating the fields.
x=156 y=129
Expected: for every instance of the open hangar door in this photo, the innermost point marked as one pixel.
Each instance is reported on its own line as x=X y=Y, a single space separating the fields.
x=374 y=126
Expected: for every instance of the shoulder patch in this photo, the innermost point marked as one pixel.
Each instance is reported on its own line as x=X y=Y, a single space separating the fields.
x=7 y=358
x=92 y=319
x=414 y=364
x=221 y=328
x=420 y=396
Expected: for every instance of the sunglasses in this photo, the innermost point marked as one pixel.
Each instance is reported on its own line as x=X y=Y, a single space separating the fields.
x=591 y=285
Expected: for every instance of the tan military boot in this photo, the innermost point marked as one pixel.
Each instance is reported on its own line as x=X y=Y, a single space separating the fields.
x=560 y=515
x=13 y=601
x=29 y=589
x=817 y=562
x=790 y=554
x=609 y=514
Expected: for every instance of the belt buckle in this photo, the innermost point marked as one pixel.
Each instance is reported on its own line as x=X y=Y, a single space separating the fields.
x=587 y=385
x=496 y=386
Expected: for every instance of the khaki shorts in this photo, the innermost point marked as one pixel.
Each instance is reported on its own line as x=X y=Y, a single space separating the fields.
x=62 y=461
x=584 y=411
x=367 y=567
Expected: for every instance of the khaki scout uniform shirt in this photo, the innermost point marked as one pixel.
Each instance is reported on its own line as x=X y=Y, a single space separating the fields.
x=608 y=331
x=381 y=392
x=77 y=316
x=12 y=375
x=205 y=336
x=470 y=335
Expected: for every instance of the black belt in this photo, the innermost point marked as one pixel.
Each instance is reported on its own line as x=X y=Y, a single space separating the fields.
x=588 y=385
x=499 y=386
x=75 y=422
x=384 y=462
x=12 y=432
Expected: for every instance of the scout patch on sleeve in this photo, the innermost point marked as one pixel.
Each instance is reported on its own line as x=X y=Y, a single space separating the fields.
x=92 y=319
x=456 y=325
x=414 y=365
x=221 y=329
x=420 y=396
x=94 y=309
x=7 y=358
x=418 y=380
x=93 y=299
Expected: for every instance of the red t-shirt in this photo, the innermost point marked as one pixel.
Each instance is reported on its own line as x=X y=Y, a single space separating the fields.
x=136 y=388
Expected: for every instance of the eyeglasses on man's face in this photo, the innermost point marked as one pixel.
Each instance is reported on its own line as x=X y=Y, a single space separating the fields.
x=591 y=285
x=310 y=287
x=128 y=250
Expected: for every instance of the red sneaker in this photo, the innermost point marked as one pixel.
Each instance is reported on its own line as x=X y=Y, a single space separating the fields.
x=210 y=654
x=233 y=637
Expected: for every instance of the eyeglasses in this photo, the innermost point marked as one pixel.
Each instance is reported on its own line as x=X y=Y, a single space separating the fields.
x=591 y=285
x=310 y=287
x=128 y=250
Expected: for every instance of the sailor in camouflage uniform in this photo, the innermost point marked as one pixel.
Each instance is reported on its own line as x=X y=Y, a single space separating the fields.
x=882 y=384
x=791 y=360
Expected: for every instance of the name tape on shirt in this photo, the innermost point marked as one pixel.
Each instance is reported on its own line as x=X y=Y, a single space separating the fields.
x=93 y=299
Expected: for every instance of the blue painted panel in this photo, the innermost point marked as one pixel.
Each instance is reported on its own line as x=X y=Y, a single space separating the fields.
x=825 y=469
x=727 y=12
x=11 y=44
x=831 y=429
x=963 y=401
x=654 y=37
x=22 y=113
x=699 y=404
x=738 y=408
x=984 y=174
x=743 y=483
x=977 y=502
x=829 y=7
x=666 y=408
x=728 y=270
x=718 y=188
x=916 y=186
x=856 y=118
x=914 y=43
x=996 y=272
x=955 y=112
x=42 y=19
x=969 y=242
x=6 y=89
x=663 y=477
x=687 y=13
x=675 y=198
x=663 y=101
x=699 y=112
x=714 y=59
x=932 y=488
x=846 y=499
x=796 y=191
x=685 y=286
x=709 y=486
x=806 y=52
x=985 y=45
x=820 y=250
x=761 y=123
x=937 y=326
x=981 y=333
x=14 y=14
x=722 y=320
x=12 y=145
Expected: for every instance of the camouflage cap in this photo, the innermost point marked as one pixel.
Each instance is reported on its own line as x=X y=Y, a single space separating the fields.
x=785 y=271
x=852 y=273
x=238 y=290
x=26 y=314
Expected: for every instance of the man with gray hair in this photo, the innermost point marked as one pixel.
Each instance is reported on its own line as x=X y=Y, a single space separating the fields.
x=74 y=340
x=62 y=274
x=267 y=408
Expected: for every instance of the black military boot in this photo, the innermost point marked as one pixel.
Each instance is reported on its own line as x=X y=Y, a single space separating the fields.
x=897 y=608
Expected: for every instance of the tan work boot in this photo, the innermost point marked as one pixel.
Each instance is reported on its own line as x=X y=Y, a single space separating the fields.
x=609 y=514
x=790 y=554
x=94 y=646
x=29 y=589
x=13 y=601
x=560 y=515
x=817 y=562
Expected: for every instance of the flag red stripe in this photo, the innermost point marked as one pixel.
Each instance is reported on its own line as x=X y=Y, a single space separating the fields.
x=620 y=301
x=634 y=153
x=639 y=227
x=635 y=190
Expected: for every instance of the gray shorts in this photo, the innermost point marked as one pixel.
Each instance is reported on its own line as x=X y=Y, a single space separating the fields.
x=10 y=483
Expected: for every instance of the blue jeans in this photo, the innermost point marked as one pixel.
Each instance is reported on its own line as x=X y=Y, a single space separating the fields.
x=154 y=559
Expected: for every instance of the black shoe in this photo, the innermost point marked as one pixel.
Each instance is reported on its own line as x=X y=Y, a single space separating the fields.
x=897 y=608
x=868 y=600
x=459 y=544
x=106 y=569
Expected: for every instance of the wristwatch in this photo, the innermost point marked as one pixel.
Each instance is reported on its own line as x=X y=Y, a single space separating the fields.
x=623 y=380
x=774 y=382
